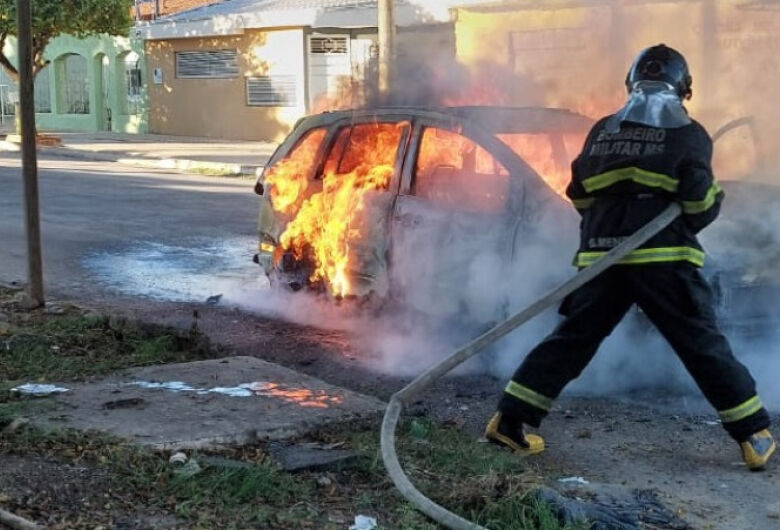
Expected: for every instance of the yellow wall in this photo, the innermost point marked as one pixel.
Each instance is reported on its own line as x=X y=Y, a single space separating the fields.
x=577 y=58
x=217 y=108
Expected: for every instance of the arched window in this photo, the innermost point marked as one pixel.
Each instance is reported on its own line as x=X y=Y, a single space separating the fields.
x=133 y=83
x=76 y=93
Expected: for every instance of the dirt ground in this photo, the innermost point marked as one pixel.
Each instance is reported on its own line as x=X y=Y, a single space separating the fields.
x=669 y=444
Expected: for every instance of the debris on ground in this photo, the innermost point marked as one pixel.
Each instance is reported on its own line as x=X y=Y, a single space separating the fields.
x=608 y=507
x=178 y=459
x=573 y=480
x=309 y=457
x=213 y=300
x=189 y=469
x=39 y=390
x=363 y=522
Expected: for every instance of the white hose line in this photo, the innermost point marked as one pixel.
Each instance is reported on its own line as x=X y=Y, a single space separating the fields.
x=394 y=408
x=15 y=522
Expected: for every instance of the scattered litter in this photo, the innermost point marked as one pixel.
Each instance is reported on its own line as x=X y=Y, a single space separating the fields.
x=190 y=469
x=130 y=403
x=172 y=386
x=292 y=458
x=178 y=459
x=573 y=480
x=711 y=423
x=237 y=391
x=363 y=522
x=214 y=300
x=39 y=390
x=300 y=396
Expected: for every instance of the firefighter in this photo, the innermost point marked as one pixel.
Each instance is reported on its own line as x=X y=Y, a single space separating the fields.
x=633 y=164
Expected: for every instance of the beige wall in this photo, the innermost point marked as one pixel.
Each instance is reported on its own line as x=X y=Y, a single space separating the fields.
x=217 y=108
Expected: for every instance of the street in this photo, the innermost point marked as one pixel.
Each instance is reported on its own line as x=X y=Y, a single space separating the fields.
x=93 y=207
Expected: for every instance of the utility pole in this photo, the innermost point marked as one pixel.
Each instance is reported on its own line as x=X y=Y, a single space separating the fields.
x=386 y=30
x=29 y=157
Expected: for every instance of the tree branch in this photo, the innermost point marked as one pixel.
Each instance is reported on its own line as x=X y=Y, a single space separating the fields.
x=13 y=73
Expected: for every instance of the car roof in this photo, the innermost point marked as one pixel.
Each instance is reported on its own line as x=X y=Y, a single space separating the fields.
x=494 y=119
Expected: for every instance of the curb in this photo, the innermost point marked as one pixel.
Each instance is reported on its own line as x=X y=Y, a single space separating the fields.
x=216 y=169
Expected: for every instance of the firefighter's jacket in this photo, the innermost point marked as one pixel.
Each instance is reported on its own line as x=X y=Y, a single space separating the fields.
x=622 y=181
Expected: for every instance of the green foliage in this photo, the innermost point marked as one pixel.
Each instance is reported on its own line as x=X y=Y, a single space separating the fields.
x=52 y=18
x=76 y=347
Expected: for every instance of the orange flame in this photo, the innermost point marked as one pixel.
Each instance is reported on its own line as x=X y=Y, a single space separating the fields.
x=550 y=156
x=288 y=179
x=327 y=222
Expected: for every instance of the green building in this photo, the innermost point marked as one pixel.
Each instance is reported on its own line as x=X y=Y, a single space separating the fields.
x=92 y=84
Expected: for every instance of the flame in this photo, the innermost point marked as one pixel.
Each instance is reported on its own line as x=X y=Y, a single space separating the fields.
x=549 y=155
x=326 y=224
x=455 y=171
x=303 y=397
x=288 y=179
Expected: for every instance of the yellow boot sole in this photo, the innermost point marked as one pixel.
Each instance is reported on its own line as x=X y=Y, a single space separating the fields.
x=753 y=459
x=535 y=443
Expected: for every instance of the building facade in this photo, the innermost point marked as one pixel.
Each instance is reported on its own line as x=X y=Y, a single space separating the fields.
x=249 y=69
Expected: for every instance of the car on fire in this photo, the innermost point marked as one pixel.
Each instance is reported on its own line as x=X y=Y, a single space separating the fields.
x=411 y=203
x=400 y=202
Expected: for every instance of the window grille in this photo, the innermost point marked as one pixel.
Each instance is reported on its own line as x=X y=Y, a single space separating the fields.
x=76 y=85
x=133 y=82
x=272 y=91
x=328 y=45
x=214 y=64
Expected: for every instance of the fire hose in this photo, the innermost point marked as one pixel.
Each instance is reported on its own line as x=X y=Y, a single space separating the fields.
x=397 y=401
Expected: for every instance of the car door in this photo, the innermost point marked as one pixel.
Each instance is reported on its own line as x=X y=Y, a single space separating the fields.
x=361 y=170
x=451 y=225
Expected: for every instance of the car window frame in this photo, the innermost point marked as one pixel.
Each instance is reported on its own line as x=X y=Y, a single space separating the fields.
x=514 y=164
x=336 y=127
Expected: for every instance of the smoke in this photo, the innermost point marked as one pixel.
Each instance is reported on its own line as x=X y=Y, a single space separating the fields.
x=454 y=280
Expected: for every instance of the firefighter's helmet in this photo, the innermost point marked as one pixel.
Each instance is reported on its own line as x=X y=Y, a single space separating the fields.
x=661 y=63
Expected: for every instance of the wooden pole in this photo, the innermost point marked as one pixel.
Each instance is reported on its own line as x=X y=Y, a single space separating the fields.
x=386 y=30
x=29 y=156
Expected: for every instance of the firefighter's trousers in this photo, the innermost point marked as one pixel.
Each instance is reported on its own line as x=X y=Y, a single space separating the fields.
x=679 y=302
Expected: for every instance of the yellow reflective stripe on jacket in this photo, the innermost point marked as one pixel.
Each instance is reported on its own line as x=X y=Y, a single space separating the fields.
x=647 y=255
x=583 y=204
x=740 y=412
x=523 y=393
x=640 y=176
x=693 y=207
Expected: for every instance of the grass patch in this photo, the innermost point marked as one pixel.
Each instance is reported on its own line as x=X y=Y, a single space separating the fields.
x=77 y=347
x=490 y=487
x=480 y=482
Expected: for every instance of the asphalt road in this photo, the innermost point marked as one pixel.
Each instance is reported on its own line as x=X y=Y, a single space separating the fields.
x=90 y=209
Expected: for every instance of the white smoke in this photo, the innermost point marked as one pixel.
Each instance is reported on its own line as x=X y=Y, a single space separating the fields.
x=430 y=320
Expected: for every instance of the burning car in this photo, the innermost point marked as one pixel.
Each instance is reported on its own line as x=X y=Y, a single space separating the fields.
x=371 y=203
x=351 y=196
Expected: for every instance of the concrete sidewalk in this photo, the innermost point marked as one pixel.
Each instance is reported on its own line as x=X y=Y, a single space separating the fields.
x=181 y=153
x=205 y=404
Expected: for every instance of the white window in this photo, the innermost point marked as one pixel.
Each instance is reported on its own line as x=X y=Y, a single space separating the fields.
x=76 y=85
x=214 y=64
x=133 y=97
x=42 y=92
x=272 y=91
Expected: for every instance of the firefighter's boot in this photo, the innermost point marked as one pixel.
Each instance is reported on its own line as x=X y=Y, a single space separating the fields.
x=757 y=449
x=502 y=431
